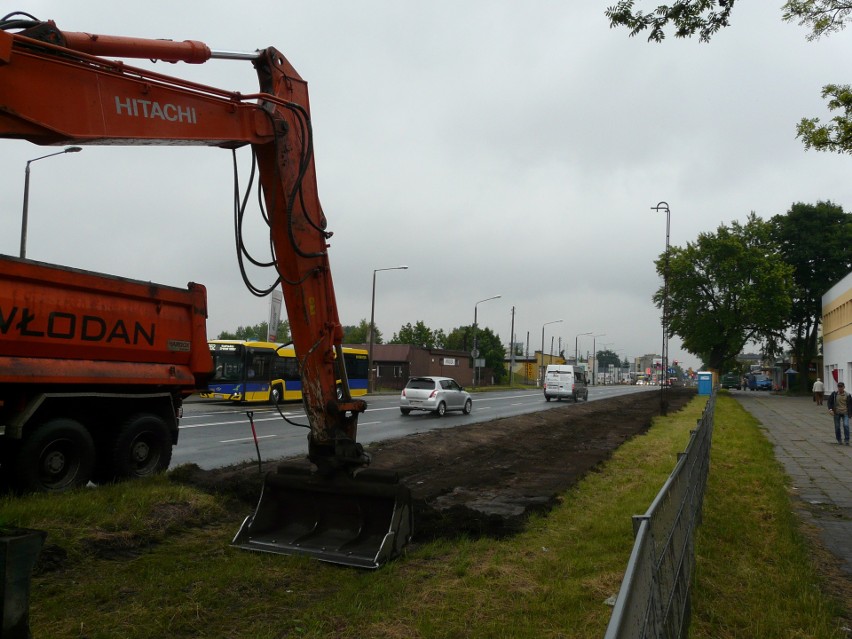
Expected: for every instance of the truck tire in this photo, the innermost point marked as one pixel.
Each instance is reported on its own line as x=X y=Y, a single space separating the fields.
x=58 y=455
x=142 y=447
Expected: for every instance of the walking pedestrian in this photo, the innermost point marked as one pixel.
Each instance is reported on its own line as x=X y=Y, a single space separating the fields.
x=819 y=391
x=839 y=405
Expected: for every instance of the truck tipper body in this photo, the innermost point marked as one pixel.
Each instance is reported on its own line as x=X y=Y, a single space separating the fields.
x=93 y=372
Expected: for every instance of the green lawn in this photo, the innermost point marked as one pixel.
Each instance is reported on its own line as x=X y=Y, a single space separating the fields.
x=151 y=559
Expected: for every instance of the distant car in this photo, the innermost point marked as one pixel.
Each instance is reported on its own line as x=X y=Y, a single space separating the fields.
x=434 y=394
x=759 y=383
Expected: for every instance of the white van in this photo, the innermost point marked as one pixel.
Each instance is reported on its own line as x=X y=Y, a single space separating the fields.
x=564 y=381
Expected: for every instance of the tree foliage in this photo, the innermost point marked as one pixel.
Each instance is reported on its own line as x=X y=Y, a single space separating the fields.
x=487 y=343
x=419 y=335
x=460 y=339
x=816 y=241
x=361 y=334
x=607 y=358
x=704 y=17
x=725 y=289
x=836 y=135
x=258 y=332
x=821 y=17
x=707 y=17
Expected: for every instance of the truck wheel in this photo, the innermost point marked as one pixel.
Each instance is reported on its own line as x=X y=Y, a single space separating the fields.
x=143 y=447
x=58 y=455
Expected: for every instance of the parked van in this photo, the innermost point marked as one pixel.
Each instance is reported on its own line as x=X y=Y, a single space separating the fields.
x=564 y=381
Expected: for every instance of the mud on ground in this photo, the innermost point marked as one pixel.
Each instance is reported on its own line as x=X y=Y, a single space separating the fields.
x=485 y=479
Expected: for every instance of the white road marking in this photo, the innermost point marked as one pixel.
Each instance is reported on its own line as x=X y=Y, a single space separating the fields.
x=244 y=439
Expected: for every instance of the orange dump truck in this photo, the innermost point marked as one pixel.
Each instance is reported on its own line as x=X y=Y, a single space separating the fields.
x=93 y=372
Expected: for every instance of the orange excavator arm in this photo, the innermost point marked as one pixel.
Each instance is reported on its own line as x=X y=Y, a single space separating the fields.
x=59 y=88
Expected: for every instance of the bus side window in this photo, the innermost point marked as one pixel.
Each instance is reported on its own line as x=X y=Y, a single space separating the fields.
x=259 y=367
x=286 y=368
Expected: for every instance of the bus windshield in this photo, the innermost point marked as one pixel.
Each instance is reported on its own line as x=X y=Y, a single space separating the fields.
x=227 y=362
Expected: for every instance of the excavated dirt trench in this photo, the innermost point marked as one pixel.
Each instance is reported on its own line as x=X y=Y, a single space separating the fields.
x=487 y=478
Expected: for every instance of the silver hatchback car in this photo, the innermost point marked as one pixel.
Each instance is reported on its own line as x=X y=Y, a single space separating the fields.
x=434 y=394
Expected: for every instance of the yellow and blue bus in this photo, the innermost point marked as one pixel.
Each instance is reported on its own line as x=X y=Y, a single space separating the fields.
x=254 y=371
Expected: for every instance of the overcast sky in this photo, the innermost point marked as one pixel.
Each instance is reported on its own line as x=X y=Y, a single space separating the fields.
x=495 y=148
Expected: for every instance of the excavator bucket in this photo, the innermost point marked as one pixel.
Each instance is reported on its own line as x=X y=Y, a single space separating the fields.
x=361 y=521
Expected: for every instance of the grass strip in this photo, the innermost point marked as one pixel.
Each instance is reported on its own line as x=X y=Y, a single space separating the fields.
x=551 y=581
x=755 y=575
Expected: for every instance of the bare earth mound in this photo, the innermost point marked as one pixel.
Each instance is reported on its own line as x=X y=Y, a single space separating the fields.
x=486 y=478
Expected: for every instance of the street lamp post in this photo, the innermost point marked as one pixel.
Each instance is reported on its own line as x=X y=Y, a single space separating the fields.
x=541 y=372
x=663 y=206
x=371 y=375
x=475 y=352
x=595 y=355
x=24 y=215
x=577 y=347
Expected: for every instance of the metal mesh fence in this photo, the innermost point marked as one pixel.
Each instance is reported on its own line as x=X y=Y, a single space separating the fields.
x=654 y=600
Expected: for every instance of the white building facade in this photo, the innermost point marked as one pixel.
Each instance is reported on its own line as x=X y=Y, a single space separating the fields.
x=837 y=334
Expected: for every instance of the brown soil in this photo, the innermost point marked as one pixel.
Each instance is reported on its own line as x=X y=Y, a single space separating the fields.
x=486 y=478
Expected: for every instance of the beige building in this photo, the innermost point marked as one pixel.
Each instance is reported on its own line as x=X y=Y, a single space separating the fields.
x=837 y=334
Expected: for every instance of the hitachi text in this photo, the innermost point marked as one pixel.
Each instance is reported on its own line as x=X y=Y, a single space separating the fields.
x=154 y=110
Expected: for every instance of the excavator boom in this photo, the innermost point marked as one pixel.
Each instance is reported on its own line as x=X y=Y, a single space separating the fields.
x=57 y=88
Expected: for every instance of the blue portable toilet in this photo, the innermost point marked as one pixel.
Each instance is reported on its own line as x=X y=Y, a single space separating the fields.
x=705 y=383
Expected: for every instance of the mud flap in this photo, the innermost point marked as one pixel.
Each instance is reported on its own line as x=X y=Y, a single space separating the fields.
x=361 y=521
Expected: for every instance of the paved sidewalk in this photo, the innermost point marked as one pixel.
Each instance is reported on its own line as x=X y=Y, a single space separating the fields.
x=820 y=469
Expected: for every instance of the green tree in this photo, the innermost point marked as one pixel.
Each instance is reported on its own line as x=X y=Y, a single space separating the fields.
x=419 y=335
x=487 y=343
x=725 y=290
x=821 y=17
x=706 y=17
x=491 y=349
x=460 y=339
x=607 y=358
x=835 y=136
x=361 y=334
x=258 y=332
x=689 y=17
x=816 y=240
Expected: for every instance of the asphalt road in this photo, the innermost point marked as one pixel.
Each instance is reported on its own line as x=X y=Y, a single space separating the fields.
x=216 y=434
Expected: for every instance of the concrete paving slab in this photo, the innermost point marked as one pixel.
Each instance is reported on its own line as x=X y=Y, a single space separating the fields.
x=820 y=470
